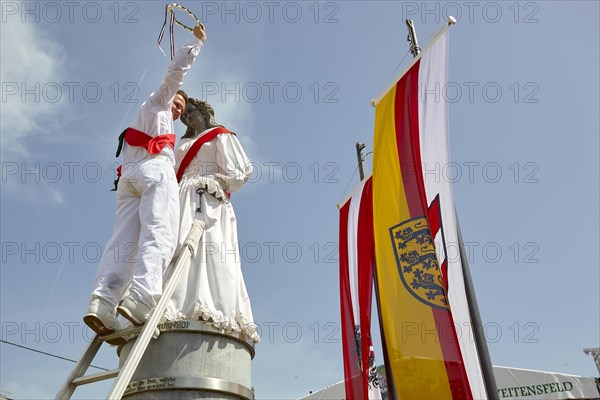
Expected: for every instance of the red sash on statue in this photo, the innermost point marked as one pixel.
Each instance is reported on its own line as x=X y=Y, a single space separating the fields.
x=191 y=153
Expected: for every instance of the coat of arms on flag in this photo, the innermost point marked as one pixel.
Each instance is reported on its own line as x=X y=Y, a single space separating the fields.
x=417 y=261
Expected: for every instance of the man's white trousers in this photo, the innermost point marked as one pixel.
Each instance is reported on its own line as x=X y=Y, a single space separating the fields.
x=145 y=233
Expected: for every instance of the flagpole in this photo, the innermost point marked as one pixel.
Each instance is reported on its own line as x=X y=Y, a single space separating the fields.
x=412 y=38
x=451 y=21
x=361 y=171
x=361 y=159
x=484 y=356
x=389 y=377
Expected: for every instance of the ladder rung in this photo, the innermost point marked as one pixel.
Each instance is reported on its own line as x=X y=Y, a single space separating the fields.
x=125 y=333
x=101 y=376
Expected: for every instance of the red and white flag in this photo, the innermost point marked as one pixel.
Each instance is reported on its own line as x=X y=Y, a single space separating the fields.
x=357 y=257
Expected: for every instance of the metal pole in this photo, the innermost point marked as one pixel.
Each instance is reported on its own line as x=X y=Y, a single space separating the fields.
x=595 y=353
x=412 y=38
x=484 y=356
x=361 y=159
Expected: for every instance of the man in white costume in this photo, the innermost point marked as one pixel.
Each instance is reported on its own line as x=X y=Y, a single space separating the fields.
x=211 y=164
x=147 y=217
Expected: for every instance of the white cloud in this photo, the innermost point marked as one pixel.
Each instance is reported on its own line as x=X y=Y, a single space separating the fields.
x=30 y=193
x=31 y=61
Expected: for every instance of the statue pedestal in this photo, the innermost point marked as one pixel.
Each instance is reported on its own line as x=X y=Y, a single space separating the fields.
x=192 y=360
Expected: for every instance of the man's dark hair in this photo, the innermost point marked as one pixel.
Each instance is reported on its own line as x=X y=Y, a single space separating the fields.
x=183 y=94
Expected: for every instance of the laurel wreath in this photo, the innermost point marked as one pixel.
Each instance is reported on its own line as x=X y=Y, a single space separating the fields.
x=170 y=9
x=173 y=7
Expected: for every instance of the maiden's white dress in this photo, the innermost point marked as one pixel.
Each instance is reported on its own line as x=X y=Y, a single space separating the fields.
x=212 y=288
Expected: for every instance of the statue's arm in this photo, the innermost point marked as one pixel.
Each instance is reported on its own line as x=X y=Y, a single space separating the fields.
x=234 y=165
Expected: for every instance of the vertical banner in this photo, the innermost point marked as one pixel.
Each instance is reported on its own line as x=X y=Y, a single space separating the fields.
x=424 y=312
x=356 y=281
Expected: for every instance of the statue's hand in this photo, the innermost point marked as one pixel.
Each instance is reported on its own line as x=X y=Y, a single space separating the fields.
x=199 y=32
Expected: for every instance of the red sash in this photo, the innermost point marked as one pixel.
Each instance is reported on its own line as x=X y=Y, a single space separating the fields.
x=154 y=145
x=191 y=153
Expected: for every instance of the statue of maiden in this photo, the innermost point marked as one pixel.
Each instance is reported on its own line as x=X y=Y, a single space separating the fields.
x=211 y=164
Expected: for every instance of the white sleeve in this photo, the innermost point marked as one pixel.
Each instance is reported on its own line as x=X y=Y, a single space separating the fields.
x=234 y=166
x=182 y=62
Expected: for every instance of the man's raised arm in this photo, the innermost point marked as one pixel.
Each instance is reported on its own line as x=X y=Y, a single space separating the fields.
x=182 y=62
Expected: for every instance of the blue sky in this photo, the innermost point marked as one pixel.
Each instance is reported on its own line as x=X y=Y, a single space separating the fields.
x=294 y=80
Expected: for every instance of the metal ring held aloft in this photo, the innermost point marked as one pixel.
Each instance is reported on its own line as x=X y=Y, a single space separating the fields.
x=170 y=9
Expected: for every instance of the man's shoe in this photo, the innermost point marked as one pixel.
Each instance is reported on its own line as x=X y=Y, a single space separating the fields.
x=101 y=319
x=134 y=310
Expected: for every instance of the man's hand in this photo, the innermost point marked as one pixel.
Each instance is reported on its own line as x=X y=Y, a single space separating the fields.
x=199 y=32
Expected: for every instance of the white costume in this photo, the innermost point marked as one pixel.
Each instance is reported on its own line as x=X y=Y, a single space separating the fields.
x=213 y=288
x=147 y=218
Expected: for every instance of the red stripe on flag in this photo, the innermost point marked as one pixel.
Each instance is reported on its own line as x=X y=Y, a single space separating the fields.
x=455 y=367
x=434 y=216
x=407 y=138
x=365 y=261
x=352 y=372
x=444 y=269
